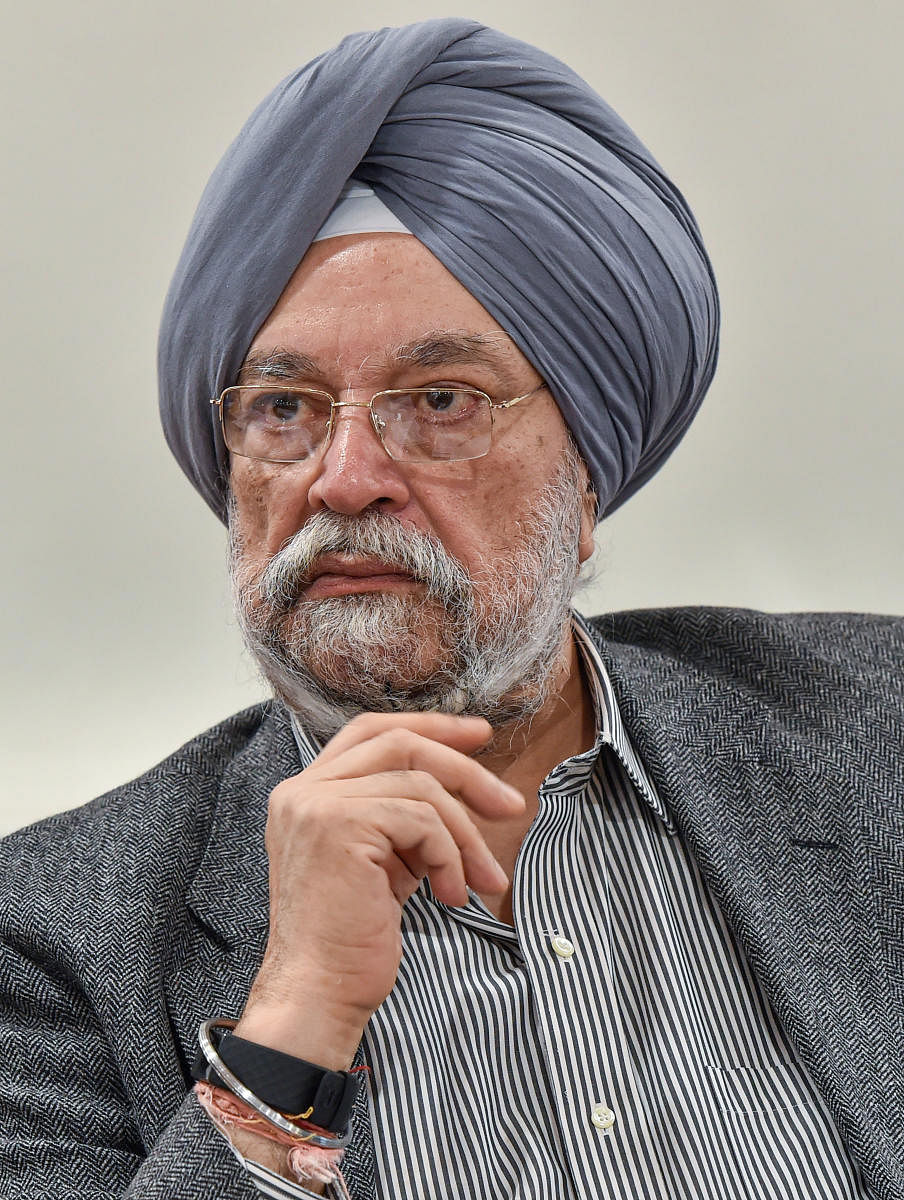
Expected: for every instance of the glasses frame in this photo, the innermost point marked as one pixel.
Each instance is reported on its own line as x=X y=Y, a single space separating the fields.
x=374 y=419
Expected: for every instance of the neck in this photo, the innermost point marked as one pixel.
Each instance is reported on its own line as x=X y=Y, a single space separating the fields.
x=522 y=752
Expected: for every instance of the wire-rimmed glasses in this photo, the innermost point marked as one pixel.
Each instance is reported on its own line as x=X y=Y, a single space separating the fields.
x=277 y=423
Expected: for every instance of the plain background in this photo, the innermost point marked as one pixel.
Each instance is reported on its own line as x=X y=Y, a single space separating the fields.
x=780 y=121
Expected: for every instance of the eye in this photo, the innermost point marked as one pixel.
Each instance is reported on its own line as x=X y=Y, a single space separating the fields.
x=280 y=407
x=441 y=399
x=443 y=405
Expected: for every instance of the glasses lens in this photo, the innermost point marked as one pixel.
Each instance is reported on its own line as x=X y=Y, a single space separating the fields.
x=274 y=424
x=441 y=424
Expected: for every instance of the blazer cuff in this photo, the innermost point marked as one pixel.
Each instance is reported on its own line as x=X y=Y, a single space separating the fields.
x=191 y=1161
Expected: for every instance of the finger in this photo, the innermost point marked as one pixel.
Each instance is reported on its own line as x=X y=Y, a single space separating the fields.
x=382 y=802
x=465 y=734
x=402 y=882
x=446 y=880
x=415 y=835
x=371 y=812
x=403 y=750
x=482 y=870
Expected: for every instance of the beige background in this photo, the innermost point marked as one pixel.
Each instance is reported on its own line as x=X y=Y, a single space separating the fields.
x=781 y=121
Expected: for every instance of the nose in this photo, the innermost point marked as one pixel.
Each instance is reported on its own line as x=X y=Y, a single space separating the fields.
x=355 y=472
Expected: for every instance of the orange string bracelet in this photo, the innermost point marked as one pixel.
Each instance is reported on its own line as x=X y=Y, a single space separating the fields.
x=306 y=1162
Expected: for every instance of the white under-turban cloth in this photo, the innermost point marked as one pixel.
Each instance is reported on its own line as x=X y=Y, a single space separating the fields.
x=518 y=177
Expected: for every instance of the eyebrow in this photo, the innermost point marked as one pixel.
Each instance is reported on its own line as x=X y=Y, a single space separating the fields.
x=435 y=349
x=441 y=349
x=276 y=364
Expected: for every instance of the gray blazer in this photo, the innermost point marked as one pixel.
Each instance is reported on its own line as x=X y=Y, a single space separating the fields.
x=776 y=743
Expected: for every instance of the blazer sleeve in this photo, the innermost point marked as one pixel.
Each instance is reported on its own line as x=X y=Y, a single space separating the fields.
x=67 y=1125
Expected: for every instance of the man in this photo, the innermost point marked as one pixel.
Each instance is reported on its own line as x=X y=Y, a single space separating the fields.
x=505 y=903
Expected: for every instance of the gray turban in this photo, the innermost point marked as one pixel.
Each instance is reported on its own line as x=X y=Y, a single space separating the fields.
x=528 y=188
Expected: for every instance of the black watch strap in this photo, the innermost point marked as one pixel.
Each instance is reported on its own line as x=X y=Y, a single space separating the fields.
x=290 y=1085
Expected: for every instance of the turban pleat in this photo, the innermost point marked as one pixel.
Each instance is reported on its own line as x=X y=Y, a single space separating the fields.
x=526 y=185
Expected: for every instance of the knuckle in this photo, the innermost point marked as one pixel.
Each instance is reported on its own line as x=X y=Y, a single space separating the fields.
x=286 y=796
x=393 y=737
x=279 y=800
x=291 y=803
x=400 y=743
x=425 y=815
x=423 y=782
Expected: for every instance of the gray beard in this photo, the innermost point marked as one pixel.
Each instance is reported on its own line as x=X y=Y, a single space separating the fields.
x=486 y=646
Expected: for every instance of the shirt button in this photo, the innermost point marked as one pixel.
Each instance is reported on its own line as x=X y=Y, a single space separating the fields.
x=602 y=1117
x=562 y=947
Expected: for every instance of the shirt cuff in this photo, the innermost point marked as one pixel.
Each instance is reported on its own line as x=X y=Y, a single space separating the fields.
x=269 y=1183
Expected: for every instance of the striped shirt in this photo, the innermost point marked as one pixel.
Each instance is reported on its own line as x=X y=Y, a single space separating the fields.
x=613 y=1042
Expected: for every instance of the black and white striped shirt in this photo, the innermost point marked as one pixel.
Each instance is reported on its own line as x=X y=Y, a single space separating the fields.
x=612 y=1043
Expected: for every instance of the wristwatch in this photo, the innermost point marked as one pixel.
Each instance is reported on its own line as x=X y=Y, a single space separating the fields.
x=290 y=1085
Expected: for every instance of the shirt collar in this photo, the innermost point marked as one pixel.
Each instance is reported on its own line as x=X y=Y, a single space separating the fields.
x=574 y=772
x=610 y=728
x=308 y=746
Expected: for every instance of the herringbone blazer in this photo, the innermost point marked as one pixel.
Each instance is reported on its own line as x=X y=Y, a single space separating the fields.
x=776 y=742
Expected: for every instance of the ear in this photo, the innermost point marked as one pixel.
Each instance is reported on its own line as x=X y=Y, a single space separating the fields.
x=586 y=544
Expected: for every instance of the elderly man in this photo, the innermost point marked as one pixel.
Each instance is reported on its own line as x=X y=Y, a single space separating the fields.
x=491 y=901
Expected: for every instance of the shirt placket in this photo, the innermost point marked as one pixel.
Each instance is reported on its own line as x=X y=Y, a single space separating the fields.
x=563 y=920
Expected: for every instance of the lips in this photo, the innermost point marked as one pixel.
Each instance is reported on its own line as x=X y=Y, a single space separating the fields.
x=335 y=575
x=357 y=568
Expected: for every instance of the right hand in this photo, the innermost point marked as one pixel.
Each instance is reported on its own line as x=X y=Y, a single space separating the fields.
x=349 y=839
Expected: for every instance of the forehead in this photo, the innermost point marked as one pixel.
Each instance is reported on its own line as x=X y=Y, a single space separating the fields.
x=358 y=305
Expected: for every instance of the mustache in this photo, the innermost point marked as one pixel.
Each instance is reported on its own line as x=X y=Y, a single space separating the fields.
x=368 y=535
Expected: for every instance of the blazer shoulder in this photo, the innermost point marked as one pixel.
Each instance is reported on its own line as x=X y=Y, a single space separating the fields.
x=135 y=838
x=832 y=680
x=720 y=636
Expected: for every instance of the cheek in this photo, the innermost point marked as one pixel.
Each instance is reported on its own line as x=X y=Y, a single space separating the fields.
x=510 y=492
x=265 y=504
x=479 y=516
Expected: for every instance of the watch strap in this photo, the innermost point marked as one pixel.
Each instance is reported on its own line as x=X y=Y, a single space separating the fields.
x=288 y=1084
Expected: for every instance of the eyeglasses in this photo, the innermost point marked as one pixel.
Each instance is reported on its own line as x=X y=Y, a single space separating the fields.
x=429 y=424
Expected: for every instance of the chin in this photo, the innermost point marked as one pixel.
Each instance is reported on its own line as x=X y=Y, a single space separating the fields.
x=368 y=644
x=395 y=672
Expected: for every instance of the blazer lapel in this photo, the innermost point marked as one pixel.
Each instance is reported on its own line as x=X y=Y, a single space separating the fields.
x=772 y=821
x=218 y=951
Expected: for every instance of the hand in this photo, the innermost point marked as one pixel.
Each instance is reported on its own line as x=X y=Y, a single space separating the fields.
x=349 y=839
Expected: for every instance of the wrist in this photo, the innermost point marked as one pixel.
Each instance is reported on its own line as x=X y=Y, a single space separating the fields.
x=303 y=1029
